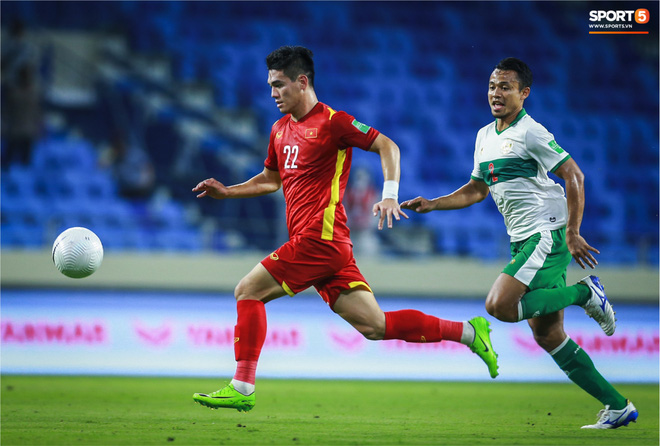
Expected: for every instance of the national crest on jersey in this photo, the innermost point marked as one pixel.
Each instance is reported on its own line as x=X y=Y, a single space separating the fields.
x=514 y=164
x=313 y=158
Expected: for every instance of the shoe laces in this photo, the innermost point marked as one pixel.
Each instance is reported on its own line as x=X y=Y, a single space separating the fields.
x=222 y=391
x=604 y=414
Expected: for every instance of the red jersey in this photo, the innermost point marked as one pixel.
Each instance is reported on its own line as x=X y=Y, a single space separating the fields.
x=313 y=157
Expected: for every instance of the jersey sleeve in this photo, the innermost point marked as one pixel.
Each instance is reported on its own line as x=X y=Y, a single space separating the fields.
x=544 y=149
x=271 y=159
x=476 y=171
x=352 y=133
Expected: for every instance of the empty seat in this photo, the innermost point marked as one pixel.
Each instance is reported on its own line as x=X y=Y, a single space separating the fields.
x=187 y=239
x=167 y=215
x=26 y=210
x=22 y=236
x=62 y=155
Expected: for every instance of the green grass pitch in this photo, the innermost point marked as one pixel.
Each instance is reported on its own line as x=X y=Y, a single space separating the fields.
x=73 y=410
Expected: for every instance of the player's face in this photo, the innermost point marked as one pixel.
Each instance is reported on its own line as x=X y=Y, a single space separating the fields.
x=504 y=94
x=288 y=94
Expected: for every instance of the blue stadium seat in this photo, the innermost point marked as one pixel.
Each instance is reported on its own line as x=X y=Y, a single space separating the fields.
x=547 y=99
x=18 y=182
x=21 y=236
x=438 y=71
x=364 y=112
x=372 y=49
x=167 y=215
x=392 y=40
x=124 y=239
x=70 y=154
x=225 y=65
x=113 y=213
x=269 y=35
x=25 y=210
x=178 y=240
x=83 y=184
x=411 y=144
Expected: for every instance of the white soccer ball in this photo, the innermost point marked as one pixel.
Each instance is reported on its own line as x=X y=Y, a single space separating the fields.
x=77 y=252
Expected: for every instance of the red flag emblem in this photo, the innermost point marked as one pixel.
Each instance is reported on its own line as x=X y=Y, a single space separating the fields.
x=311 y=133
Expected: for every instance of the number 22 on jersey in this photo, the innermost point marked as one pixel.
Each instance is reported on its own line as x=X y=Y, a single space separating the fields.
x=291 y=153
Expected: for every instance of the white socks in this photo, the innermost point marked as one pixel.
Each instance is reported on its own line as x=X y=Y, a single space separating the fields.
x=468 y=335
x=243 y=387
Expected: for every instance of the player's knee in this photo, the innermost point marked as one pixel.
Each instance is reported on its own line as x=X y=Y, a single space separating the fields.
x=240 y=292
x=548 y=341
x=372 y=332
x=491 y=307
x=496 y=308
x=544 y=341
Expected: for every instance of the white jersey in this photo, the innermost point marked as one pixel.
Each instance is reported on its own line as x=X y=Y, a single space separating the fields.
x=514 y=164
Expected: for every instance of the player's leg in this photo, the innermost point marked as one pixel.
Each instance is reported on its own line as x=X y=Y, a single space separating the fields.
x=598 y=306
x=256 y=289
x=349 y=295
x=587 y=293
x=359 y=307
x=504 y=298
x=295 y=266
x=510 y=300
x=253 y=291
x=539 y=263
x=575 y=362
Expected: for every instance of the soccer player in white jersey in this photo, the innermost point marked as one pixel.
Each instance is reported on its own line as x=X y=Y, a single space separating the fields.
x=512 y=158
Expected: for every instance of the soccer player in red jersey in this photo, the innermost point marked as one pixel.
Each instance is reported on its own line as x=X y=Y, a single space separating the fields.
x=309 y=157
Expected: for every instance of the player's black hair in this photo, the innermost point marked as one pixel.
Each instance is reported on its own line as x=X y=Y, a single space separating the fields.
x=292 y=61
x=520 y=67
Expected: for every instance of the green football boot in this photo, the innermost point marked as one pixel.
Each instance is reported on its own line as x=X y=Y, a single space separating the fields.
x=482 y=346
x=227 y=397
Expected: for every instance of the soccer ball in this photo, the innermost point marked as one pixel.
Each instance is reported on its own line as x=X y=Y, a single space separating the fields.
x=77 y=252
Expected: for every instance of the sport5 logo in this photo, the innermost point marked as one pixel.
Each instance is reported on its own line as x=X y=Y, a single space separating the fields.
x=640 y=16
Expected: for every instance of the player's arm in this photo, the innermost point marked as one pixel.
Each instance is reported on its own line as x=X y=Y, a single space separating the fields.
x=574 y=182
x=263 y=183
x=390 y=160
x=469 y=194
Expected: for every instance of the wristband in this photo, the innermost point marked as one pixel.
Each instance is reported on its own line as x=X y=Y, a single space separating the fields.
x=391 y=189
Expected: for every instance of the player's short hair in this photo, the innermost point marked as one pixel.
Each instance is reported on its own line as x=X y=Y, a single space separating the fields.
x=292 y=61
x=521 y=69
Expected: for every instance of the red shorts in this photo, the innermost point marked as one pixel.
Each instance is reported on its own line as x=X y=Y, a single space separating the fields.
x=328 y=266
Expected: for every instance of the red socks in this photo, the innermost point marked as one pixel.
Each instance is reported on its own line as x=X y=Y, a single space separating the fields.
x=415 y=326
x=407 y=325
x=249 y=337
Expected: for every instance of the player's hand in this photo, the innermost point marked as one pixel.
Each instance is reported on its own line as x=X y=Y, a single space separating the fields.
x=211 y=188
x=420 y=205
x=387 y=208
x=581 y=250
